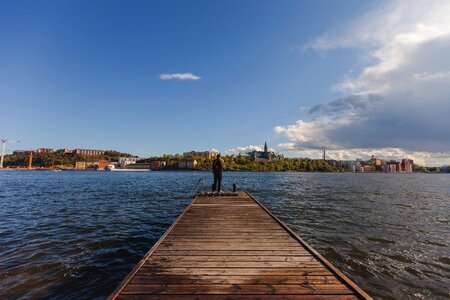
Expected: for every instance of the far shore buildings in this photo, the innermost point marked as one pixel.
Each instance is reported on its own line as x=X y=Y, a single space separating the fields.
x=43 y=150
x=265 y=155
x=88 y=152
x=207 y=154
x=376 y=165
x=50 y=150
x=21 y=152
x=187 y=164
x=38 y=150
x=125 y=161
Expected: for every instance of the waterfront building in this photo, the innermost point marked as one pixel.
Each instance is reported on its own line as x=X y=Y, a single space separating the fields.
x=140 y=166
x=187 y=164
x=103 y=164
x=394 y=166
x=368 y=169
x=407 y=165
x=334 y=163
x=125 y=161
x=207 y=154
x=80 y=165
x=377 y=163
x=157 y=165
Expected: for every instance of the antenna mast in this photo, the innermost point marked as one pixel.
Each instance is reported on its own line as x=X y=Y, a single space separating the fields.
x=4 y=141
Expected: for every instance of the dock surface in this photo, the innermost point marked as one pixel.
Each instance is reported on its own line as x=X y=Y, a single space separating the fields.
x=232 y=247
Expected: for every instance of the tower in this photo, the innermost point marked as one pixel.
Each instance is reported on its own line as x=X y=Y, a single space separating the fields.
x=265 y=148
x=323 y=153
x=30 y=160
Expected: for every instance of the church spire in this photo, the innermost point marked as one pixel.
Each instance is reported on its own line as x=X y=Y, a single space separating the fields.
x=265 y=147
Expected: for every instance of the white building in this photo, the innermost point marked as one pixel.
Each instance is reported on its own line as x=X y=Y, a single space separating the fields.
x=187 y=164
x=124 y=161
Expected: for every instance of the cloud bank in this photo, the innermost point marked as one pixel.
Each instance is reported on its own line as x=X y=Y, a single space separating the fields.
x=399 y=100
x=246 y=149
x=179 y=76
x=419 y=157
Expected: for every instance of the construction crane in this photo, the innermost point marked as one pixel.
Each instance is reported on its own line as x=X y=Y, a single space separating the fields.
x=30 y=160
x=4 y=141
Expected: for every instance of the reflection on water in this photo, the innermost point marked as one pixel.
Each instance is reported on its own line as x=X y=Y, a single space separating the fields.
x=78 y=234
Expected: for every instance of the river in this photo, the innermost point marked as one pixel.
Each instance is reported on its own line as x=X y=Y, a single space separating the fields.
x=77 y=234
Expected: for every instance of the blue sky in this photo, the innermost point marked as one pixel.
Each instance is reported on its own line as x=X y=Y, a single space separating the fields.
x=86 y=74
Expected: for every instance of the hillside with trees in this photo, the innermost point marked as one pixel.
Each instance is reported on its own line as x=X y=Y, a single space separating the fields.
x=237 y=163
x=59 y=159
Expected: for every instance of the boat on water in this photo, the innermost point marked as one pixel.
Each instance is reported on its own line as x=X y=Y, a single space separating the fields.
x=113 y=168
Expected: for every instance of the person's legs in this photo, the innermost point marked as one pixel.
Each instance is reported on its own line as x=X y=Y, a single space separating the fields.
x=215 y=183
x=219 y=181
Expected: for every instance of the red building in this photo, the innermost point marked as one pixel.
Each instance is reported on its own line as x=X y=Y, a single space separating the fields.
x=43 y=150
x=103 y=164
x=88 y=152
x=407 y=165
x=156 y=165
x=394 y=166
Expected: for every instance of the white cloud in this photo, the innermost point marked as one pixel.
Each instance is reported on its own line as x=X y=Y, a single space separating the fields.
x=400 y=97
x=390 y=36
x=179 y=76
x=246 y=149
x=419 y=157
x=425 y=76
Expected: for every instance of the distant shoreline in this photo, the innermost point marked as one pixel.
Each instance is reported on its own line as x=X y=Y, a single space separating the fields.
x=225 y=171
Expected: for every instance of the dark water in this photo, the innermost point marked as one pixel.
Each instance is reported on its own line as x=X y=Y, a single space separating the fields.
x=78 y=234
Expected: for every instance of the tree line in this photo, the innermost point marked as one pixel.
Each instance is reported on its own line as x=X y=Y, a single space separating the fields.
x=59 y=158
x=237 y=163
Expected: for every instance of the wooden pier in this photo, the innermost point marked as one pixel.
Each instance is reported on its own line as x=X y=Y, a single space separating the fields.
x=232 y=247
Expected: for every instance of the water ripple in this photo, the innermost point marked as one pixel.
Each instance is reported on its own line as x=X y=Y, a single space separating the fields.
x=77 y=234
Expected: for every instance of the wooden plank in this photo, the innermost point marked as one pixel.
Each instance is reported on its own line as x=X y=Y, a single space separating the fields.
x=235 y=271
x=235 y=279
x=233 y=264
x=206 y=244
x=305 y=257
x=230 y=238
x=242 y=235
x=226 y=247
x=235 y=289
x=231 y=252
x=243 y=297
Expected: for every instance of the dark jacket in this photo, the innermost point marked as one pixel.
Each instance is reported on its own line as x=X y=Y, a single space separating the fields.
x=217 y=166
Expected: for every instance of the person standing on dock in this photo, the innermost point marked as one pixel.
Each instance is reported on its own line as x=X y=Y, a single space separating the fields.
x=217 y=171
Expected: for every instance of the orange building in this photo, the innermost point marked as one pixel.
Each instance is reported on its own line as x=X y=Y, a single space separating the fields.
x=103 y=164
x=156 y=165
